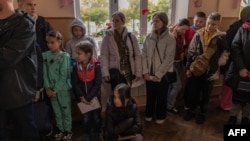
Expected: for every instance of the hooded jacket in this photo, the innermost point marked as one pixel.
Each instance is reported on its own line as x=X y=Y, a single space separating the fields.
x=18 y=61
x=71 y=44
x=87 y=81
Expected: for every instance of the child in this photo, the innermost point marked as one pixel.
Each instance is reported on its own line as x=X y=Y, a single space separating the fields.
x=178 y=31
x=78 y=31
x=86 y=83
x=158 y=54
x=56 y=68
x=122 y=119
x=205 y=54
x=199 y=22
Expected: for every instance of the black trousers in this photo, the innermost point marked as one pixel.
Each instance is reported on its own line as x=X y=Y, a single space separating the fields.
x=156 y=99
x=198 y=92
x=23 y=118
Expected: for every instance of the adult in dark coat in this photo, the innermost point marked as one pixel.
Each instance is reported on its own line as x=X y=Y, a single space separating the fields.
x=239 y=70
x=18 y=69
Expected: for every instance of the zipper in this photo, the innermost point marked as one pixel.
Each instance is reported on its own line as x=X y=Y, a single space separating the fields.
x=18 y=81
x=85 y=82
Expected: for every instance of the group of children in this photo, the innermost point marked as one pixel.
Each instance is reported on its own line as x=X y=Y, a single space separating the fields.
x=79 y=68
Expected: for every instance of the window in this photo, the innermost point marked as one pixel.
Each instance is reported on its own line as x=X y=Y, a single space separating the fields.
x=96 y=14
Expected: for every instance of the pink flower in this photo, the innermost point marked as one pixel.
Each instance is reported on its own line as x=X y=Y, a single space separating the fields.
x=144 y=11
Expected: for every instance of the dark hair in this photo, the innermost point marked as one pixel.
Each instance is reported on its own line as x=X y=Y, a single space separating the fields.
x=123 y=91
x=56 y=34
x=184 y=21
x=215 y=16
x=85 y=46
x=200 y=14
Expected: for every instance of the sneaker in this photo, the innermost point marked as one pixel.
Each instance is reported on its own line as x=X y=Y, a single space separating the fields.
x=160 y=121
x=49 y=133
x=148 y=119
x=200 y=119
x=186 y=108
x=189 y=116
x=232 y=120
x=67 y=136
x=58 y=135
x=173 y=110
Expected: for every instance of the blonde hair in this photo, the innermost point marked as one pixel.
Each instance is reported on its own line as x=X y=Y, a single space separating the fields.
x=215 y=16
x=120 y=15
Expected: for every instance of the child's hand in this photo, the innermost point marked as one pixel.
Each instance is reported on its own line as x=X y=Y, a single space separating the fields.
x=106 y=78
x=146 y=76
x=137 y=78
x=50 y=92
x=243 y=73
x=188 y=73
x=84 y=101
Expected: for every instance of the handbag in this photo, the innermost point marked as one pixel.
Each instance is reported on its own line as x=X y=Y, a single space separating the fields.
x=170 y=77
x=244 y=86
x=115 y=75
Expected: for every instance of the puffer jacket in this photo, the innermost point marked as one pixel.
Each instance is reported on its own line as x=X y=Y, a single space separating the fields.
x=18 y=65
x=121 y=121
x=166 y=45
x=88 y=84
x=109 y=54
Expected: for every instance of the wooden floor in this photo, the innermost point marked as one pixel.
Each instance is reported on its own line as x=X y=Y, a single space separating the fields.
x=175 y=128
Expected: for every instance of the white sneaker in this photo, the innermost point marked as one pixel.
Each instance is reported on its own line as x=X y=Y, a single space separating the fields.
x=186 y=108
x=148 y=119
x=160 y=121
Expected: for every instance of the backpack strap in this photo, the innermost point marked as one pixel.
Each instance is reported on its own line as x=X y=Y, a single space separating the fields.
x=130 y=38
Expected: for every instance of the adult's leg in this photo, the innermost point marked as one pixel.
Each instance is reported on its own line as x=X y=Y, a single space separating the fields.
x=24 y=118
x=151 y=99
x=4 y=135
x=160 y=92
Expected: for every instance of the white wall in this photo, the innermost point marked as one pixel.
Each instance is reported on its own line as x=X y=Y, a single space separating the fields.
x=181 y=10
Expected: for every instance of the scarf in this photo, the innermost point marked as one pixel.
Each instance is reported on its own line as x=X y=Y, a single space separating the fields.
x=124 y=57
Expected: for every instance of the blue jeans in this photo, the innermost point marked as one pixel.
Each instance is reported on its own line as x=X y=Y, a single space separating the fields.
x=175 y=87
x=23 y=118
x=92 y=122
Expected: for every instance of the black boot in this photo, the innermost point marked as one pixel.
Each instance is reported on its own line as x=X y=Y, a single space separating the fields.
x=232 y=120
x=244 y=121
x=86 y=137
